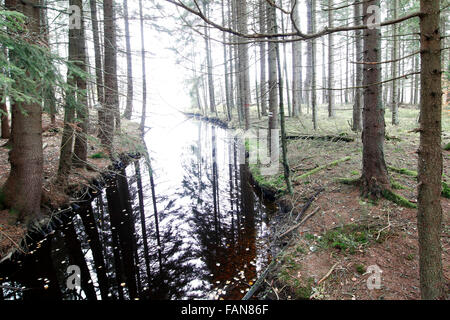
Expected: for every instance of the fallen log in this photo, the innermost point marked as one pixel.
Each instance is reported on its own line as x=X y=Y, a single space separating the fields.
x=332 y=164
x=331 y=138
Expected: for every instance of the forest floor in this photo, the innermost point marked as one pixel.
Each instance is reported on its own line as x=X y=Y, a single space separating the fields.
x=127 y=141
x=328 y=256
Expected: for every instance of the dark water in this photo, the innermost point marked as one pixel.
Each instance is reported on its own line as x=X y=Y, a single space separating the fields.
x=207 y=240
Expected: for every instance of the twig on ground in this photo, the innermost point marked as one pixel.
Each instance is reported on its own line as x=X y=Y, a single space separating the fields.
x=328 y=274
x=15 y=243
x=387 y=227
x=308 y=204
x=299 y=224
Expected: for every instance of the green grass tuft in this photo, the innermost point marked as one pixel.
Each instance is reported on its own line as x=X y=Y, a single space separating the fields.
x=447 y=147
x=99 y=155
x=348 y=238
x=445 y=190
x=361 y=269
x=410 y=257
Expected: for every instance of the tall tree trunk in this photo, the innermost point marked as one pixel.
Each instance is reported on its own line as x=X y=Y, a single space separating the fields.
x=313 y=67
x=285 y=69
x=374 y=176
x=309 y=53
x=262 y=57
x=129 y=106
x=82 y=111
x=358 y=101
x=211 y=88
x=110 y=69
x=237 y=67
x=416 y=81
x=287 y=170
x=273 y=81
x=244 y=71
x=296 y=67
x=98 y=64
x=331 y=111
x=394 y=102
x=23 y=188
x=429 y=216
x=228 y=94
x=144 y=75
x=49 y=91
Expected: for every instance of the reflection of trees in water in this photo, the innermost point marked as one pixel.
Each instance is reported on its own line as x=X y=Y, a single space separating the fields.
x=114 y=238
x=106 y=241
x=225 y=231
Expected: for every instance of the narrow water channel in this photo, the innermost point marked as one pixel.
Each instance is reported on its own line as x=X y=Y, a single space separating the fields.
x=208 y=239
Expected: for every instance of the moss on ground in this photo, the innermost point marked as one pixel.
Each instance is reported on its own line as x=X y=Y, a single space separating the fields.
x=98 y=155
x=445 y=190
x=397 y=185
x=360 y=268
x=410 y=173
x=398 y=199
x=447 y=147
x=276 y=183
x=348 y=238
x=348 y=181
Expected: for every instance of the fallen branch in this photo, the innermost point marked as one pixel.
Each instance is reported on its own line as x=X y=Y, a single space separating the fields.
x=308 y=204
x=328 y=273
x=15 y=243
x=332 y=164
x=262 y=278
x=323 y=138
x=299 y=224
x=387 y=227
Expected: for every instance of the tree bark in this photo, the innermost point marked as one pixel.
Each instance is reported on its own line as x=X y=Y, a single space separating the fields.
x=144 y=76
x=262 y=58
x=358 y=101
x=98 y=64
x=23 y=188
x=82 y=111
x=129 y=106
x=6 y=130
x=394 y=102
x=313 y=67
x=429 y=216
x=110 y=70
x=309 y=53
x=331 y=111
x=296 y=69
x=273 y=81
x=244 y=70
x=211 y=88
x=228 y=92
x=374 y=177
